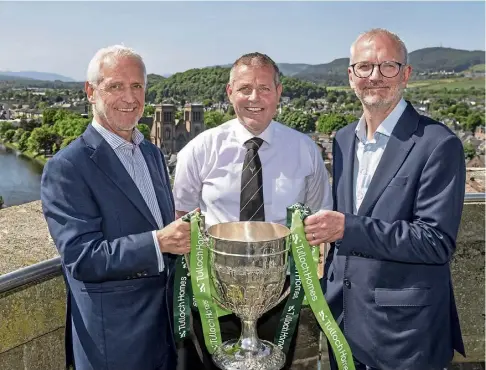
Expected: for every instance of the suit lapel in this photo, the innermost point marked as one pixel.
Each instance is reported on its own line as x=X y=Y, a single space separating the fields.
x=164 y=201
x=108 y=162
x=348 y=173
x=397 y=149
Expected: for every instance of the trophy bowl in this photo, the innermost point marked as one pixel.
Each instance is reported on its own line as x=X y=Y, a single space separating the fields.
x=248 y=265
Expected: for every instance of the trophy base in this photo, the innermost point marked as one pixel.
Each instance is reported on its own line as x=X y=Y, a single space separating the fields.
x=230 y=356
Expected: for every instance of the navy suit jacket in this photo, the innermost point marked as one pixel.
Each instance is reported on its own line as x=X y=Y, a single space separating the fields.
x=388 y=280
x=118 y=303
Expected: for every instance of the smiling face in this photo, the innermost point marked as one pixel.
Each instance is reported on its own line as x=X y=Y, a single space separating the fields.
x=118 y=100
x=254 y=96
x=377 y=91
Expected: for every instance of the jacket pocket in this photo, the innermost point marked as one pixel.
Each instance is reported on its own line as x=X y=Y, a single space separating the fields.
x=408 y=297
x=399 y=181
x=107 y=287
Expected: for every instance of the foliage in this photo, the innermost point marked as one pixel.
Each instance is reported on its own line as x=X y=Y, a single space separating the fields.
x=469 y=151
x=4 y=127
x=41 y=140
x=29 y=124
x=23 y=141
x=192 y=85
x=66 y=141
x=472 y=121
x=297 y=120
x=327 y=123
x=213 y=119
x=8 y=135
x=208 y=85
x=148 y=111
x=145 y=130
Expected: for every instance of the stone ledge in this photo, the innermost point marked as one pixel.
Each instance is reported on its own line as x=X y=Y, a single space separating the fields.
x=24 y=237
x=31 y=313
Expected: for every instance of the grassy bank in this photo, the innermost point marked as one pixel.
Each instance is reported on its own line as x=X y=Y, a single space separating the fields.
x=35 y=157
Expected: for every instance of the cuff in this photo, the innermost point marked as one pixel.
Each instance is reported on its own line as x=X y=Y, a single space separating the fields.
x=160 y=258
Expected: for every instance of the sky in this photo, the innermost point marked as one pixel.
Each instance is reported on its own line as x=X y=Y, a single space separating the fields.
x=62 y=37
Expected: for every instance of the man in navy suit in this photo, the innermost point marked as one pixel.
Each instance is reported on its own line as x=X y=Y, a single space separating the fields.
x=108 y=204
x=398 y=190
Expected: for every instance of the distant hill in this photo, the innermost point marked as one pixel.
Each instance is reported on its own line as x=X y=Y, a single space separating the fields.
x=13 y=78
x=445 y=59
x=291 y=69
x=43 y=76
x=198 y=85
x=422 y=60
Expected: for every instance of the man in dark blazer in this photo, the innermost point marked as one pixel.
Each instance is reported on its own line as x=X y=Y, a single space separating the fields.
x=398 y=190
x=108 y=204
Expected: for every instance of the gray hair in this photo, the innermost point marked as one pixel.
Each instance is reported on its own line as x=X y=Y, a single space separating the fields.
x=369 y=35
x=256 y=59
x=111 y=54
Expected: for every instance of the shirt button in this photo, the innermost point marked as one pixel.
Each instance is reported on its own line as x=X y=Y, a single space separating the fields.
x=347 y=283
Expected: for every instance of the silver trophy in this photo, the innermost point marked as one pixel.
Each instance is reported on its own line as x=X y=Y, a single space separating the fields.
x=248 y=264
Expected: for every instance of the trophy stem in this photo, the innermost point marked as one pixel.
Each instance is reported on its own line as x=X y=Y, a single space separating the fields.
x=249 y=341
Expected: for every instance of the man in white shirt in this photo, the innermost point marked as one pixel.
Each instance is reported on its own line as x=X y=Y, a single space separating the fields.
x=250 y=168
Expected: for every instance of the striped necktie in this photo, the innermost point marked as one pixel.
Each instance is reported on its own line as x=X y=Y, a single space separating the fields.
x=251 y=197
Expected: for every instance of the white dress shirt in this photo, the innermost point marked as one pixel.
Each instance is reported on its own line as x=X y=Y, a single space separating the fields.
x=369 y=152
x=208 y=172
x=132 y=159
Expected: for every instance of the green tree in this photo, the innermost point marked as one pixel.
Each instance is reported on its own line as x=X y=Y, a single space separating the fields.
x=297 y=119
x=145 y=130
x=29 y=124
x=67 y=140
x=327 y=123
x=18 y=134
x=213 y=119
x=48 y=116
x=23 y=141
x=41 y=140
x=8 y=135
x=148 y=111
x=473 y=121
x=469 y=151
x=4 y=127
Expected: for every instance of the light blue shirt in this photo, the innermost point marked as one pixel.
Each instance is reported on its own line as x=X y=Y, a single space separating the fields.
x=132 y=159
x=369 y=152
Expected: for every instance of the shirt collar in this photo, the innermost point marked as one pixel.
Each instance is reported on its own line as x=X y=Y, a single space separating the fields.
x=116 y=141
x=386 y=127
x=242 y=134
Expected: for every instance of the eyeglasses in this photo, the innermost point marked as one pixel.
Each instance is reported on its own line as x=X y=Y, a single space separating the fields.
x=388 y=69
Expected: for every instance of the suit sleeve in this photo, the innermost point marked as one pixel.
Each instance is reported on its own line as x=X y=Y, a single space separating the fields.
x=75 y=223
x=430 y=237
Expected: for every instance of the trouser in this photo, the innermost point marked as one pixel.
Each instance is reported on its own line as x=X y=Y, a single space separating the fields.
x=230 y=326
x=358 y=365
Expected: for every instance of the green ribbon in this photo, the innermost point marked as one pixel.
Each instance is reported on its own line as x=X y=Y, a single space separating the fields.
x=291 y=312
x=310 y=282
x=201 y=287
x=182 y=311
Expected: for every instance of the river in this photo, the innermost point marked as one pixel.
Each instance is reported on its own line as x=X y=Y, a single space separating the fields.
x=19 y=178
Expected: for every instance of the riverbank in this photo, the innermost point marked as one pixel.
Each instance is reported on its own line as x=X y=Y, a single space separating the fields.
x=37 y=158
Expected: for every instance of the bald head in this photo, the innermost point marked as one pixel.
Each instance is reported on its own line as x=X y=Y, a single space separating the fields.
x=379 y=33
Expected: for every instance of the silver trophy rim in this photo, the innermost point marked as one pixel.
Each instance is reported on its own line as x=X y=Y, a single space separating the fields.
x=288 y=232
